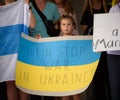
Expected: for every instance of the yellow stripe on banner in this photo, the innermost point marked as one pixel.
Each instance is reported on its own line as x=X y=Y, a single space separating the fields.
x=54 y=79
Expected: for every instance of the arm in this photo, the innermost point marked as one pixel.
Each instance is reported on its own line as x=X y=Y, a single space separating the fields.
x=85 y=21
x=32 y=18
x=84 y=27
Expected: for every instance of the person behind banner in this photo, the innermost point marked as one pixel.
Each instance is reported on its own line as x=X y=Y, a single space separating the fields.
x=99 y=88
x=92 y=7
x=49 y=10
x=12 y=91
x=67 y=25
x=113 y=58
x=65 y=8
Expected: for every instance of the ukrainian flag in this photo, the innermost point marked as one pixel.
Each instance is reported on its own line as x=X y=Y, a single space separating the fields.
x=57 y=66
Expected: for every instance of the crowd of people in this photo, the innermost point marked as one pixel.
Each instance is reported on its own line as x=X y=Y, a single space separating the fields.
x=105 y=84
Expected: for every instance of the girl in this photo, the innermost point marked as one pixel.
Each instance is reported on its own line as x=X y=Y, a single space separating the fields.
x=65 y=8
x=67 y=25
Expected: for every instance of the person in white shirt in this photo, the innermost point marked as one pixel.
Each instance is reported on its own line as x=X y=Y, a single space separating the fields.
x=113 y=58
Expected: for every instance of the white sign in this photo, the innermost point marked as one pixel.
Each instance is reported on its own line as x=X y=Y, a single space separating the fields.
x=106 y=32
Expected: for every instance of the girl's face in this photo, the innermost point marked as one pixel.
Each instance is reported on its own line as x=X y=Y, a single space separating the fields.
x=58 y=1
x=66 y=26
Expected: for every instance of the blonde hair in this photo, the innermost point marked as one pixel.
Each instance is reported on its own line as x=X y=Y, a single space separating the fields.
x=103 y=4
x=65 y=17
x=66 y=5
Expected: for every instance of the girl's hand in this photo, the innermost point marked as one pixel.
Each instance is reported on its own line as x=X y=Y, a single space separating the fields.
x=38 y=36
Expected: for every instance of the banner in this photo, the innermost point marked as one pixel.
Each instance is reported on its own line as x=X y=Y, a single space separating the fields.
x=106 y=33
x=14 y=19
x=56 y=66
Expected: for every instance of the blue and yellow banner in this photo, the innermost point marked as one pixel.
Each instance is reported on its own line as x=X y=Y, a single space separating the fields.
x=57 y=66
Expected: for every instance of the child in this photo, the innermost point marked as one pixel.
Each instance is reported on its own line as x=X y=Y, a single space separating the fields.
x=65 y=8
x=67 y=25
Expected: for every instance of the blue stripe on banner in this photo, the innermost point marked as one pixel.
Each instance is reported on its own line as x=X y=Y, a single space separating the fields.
x=9 y=38
x=57 y=53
